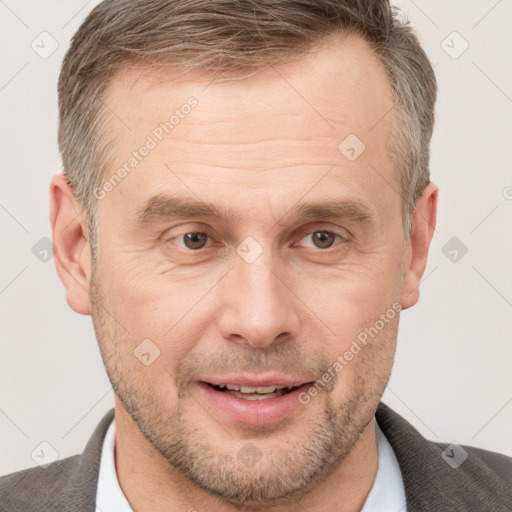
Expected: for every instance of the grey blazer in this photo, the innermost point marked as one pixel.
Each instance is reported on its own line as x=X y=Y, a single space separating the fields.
x=483 y=482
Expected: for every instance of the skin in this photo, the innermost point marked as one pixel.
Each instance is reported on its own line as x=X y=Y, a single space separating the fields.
x=258 y=148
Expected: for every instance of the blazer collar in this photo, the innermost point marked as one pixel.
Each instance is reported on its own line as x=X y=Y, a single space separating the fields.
x=431 y=484
x=80 y=489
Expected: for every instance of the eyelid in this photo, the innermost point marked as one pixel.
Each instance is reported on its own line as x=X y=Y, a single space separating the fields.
x=343 y=233
x=188 y=227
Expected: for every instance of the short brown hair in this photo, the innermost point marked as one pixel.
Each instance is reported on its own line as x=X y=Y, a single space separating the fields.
x=223 y=37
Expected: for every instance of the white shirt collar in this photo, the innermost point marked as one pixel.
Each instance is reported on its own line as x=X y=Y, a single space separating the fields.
x=109 y=496
x=386 y=495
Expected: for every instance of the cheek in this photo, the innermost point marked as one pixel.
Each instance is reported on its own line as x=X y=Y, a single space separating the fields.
x=358 y=312
x=350 y=296
x=142 y=310
x=364 y=365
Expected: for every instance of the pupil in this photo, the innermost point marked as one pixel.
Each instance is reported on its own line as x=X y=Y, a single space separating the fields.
x=323 y=239
x=195 y=240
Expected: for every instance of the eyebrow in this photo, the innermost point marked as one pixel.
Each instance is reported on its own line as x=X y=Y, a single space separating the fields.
x=164 y=207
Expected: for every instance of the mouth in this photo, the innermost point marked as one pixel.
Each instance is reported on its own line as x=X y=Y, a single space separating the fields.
x=261 y=403
x=253 y=393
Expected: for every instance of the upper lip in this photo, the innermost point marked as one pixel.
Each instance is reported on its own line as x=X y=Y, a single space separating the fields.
x=255 y=382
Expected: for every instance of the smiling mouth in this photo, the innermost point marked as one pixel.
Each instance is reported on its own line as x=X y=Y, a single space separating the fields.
x=252 y=393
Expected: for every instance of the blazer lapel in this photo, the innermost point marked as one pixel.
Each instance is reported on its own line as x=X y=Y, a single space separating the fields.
x=79 y=493
x=431 y=484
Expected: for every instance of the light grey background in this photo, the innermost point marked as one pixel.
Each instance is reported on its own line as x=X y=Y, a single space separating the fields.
x=452 y=375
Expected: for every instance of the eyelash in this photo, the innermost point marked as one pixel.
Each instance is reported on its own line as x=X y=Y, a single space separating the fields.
x=341 y=238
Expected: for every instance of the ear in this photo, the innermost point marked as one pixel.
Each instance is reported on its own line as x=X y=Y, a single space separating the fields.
x=423 y=225
x=69 y=234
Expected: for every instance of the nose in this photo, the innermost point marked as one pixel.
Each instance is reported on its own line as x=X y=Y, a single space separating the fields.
x=257 y=304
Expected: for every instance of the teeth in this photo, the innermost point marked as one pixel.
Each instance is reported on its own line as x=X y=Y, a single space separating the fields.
x=248 y=389
x=267 y=389
x=256 y=396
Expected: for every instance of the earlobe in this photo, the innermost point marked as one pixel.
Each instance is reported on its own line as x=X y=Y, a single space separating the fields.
x=423 y=225
x=69 y=233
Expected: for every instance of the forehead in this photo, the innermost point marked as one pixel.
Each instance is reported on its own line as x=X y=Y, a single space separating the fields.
x=340 y=79
x=287 y=120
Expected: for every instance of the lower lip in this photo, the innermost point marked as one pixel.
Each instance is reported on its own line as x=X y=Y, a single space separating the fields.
x=254 y=412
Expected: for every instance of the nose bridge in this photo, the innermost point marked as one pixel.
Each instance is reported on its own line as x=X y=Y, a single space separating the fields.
x=257 y=305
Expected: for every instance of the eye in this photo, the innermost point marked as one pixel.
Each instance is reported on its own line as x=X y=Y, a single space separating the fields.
x=193 y=240
x=322 y=239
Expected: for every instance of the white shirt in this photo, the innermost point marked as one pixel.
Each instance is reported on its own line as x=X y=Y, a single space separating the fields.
x=386 y=495
x=109 y=496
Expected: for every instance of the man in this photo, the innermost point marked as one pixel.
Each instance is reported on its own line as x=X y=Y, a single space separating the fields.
x=245 y=211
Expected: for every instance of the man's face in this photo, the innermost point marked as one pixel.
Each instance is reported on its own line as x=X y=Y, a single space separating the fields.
x=264 y=289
